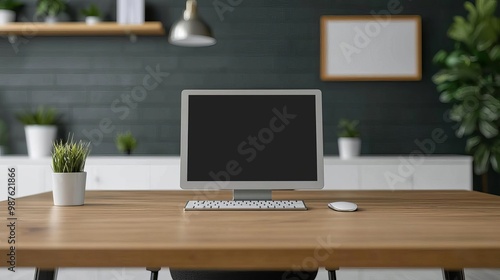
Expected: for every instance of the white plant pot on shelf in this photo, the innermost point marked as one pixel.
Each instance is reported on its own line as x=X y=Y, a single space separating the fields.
x=7 y=16
x=69 y=188
x=92 y=20
x=51 y=19
x=349 y=147
x=40 y=139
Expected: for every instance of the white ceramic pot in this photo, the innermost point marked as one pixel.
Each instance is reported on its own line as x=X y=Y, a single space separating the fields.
x=51 y=19
x=349 y=147
x=7 y=16
x=69 y=188
x=92 y=20
x=40 y=139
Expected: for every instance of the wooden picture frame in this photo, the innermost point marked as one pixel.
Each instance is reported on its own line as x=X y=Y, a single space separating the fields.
x=371 y=48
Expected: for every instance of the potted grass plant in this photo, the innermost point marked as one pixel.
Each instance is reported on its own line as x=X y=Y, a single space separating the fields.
x=8 y=10
x=92 y=14
x=349 y=139
x=69 y=177
x=50 y=9
x=126 y=142
x=41 y=130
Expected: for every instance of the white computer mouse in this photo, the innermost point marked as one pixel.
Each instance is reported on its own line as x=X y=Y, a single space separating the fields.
x=343 y=206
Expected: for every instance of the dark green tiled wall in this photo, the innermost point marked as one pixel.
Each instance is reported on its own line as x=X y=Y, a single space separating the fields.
x=261 y=44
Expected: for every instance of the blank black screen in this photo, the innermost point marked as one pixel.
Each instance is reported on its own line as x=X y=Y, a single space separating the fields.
x=252 y=138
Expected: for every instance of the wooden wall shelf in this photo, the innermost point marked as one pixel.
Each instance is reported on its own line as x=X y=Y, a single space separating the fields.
x=31 y=29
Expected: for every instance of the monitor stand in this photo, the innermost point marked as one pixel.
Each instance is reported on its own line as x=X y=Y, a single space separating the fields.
x=252 y=195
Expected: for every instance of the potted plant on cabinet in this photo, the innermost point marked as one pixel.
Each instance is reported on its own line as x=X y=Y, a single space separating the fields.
x=469 y=79
x=69 y=177
x=8 y=10
x=126 y=142
x=349 y=141
x=92 y=14
x=41 y=130
x=50 y=9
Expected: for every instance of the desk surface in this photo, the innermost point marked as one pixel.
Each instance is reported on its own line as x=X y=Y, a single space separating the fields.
x=449 y=229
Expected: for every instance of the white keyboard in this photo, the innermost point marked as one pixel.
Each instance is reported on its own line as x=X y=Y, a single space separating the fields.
x=258 y=205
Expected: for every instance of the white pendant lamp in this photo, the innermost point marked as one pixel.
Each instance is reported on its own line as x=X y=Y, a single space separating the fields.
x=191 y=30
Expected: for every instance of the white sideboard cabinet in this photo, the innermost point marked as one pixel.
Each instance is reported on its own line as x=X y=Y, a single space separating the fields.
x=162 y=172
x=399 y=173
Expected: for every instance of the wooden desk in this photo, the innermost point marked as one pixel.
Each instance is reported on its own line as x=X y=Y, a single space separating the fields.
x=445 y=229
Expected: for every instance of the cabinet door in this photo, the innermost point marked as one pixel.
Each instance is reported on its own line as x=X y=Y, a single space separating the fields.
x=32 y=179
x=165 y=177
x=118 y=177
x=443 y=177
x=385 y=177
x=92 y=178
x=341 y=177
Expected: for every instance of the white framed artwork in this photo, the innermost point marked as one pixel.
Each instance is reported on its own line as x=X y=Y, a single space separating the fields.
x=371 y=48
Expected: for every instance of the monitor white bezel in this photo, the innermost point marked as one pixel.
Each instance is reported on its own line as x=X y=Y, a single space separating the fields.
x=251 y=185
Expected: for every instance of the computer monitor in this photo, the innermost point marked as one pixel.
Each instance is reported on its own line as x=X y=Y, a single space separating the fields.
x=251 y=141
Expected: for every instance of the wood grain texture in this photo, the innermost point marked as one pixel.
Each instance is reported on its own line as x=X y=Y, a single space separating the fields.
x=81 y=29
x=449 y=229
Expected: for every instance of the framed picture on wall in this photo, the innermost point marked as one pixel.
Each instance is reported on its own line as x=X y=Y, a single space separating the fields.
x=371 y=48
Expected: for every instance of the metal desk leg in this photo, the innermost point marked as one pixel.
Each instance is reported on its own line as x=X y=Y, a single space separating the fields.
x=332 y=275
x=154 y=272
x=453 y=274
x=45 y=274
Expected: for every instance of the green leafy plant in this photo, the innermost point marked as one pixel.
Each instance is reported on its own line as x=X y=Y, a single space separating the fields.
x=348 y=128
x=12 y=5
x=41 y=116
x=50 y=7
x=469 y=80
x=92 y=11
x=70 y=156
x=126 y=142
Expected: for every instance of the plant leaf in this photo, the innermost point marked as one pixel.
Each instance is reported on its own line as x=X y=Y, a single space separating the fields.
x=472 y=142
x=484 y=36
x=446 y=97
x=457 y=113
x=495 y=53
x=481 y=157
x=460 y=30
x=488 y=8
x=488 y=129
x=444 y=76
x=487 y=114
x=466 y=92
x=495 y=156
x=467 y=126
x=445 y=86
x=440 y=57
x=495 y=160
x=491 y=100
x=473 y=16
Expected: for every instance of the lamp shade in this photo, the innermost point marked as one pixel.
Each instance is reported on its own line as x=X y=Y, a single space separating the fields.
x=190 y=30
